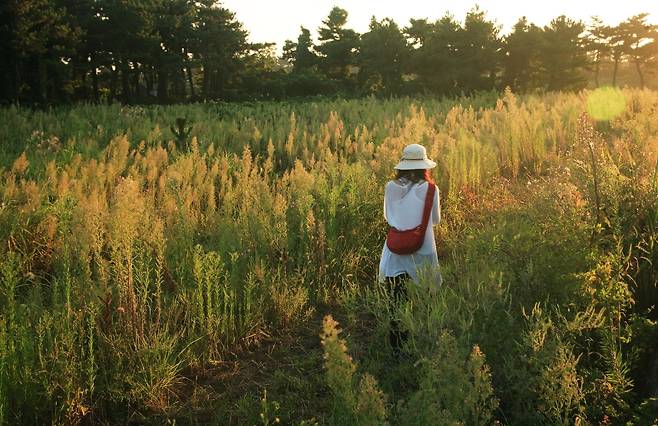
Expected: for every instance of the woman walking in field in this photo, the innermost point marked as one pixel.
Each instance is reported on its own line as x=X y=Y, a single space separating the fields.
x=411 y=207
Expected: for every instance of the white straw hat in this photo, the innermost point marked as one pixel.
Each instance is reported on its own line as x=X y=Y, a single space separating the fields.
x=414 y=157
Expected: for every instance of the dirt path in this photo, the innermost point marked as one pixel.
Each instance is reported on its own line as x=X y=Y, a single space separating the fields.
x=288 y=366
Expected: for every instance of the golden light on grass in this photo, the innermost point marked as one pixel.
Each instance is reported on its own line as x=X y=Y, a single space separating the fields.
x=606 y=103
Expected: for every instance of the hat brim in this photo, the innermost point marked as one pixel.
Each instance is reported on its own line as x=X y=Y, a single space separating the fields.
x=415 y=164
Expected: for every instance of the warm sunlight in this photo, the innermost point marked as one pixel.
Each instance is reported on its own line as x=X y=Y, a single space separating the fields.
x=329 y=213
x=277 y=21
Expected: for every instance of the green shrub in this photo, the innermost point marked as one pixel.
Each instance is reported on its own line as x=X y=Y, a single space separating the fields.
x=362 y=405
x=454 y=388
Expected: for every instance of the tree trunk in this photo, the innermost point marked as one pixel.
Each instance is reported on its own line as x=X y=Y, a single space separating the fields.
x=17 y=82
x=43 y=81
x=94 y=84
x=614 y=73
x=596 y=71
x=148 y=76
x=135 y=78
x=206 y=82
x=75 y=70
x=162 y=84
x=113 y=83
x=639 y=73
x=179 y=83
x=219 y=85
x=182 y=77
x=83 y=81
x=125 y=83
x=190 y=80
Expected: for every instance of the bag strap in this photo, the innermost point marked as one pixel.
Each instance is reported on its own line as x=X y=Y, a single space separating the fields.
x=427 y=209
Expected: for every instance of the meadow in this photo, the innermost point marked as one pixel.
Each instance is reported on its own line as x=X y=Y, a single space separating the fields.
x=200 y=272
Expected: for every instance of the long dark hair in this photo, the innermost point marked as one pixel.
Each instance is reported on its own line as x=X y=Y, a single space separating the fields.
x=415 y=175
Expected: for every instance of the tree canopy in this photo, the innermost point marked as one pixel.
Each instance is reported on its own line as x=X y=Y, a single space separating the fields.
x=132 y=51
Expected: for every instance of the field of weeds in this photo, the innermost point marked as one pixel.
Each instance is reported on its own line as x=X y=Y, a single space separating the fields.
x=195 y=264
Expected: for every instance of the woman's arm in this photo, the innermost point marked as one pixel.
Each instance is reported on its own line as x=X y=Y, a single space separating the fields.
x=385 y=201
x=436 y=208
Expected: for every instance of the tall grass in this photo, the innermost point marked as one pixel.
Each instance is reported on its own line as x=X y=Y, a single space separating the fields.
x=127 y=263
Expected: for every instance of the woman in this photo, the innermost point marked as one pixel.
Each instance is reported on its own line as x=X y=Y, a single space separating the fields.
x=404 y=200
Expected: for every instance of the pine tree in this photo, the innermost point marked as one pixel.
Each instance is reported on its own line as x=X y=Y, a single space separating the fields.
x=522 y=62
x=564 y=55
x=383 y=56
x=338 y=45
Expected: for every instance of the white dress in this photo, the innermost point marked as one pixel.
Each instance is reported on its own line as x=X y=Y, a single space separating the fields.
x=403 y=209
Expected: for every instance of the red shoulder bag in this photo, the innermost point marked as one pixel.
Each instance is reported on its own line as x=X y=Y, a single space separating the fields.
x=409 y=241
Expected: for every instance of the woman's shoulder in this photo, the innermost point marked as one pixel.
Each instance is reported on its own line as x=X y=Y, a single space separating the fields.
x=425 y=184
x=436 y=187
x=422 y=188
x=393 y=184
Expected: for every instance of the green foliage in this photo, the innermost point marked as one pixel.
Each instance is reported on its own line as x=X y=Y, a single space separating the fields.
x=37 y=35
x=613 y=387
x=454 y=387
x=338 y=45
x=639 y=40
x=301 y=54
x=217 y=311
x=146 y=375
x=481 y=47
x=181 y=133
x=563 y=55
x=133 y=272
x=522 y=60
x=437 y=51
x=548 y=387
x=268 y=411
x=57 y=52
x=383 y=57
x=365 y=405
x=48 y=359
x=67 y=349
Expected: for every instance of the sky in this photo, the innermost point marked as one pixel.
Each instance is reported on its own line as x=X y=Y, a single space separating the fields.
x=278 y=20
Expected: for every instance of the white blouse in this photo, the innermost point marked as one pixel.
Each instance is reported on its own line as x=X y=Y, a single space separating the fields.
x=403 y=209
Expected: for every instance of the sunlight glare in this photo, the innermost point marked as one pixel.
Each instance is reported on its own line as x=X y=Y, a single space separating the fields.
x=605 y=103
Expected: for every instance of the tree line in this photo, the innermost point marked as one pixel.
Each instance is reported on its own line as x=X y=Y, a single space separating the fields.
x=57 y=51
